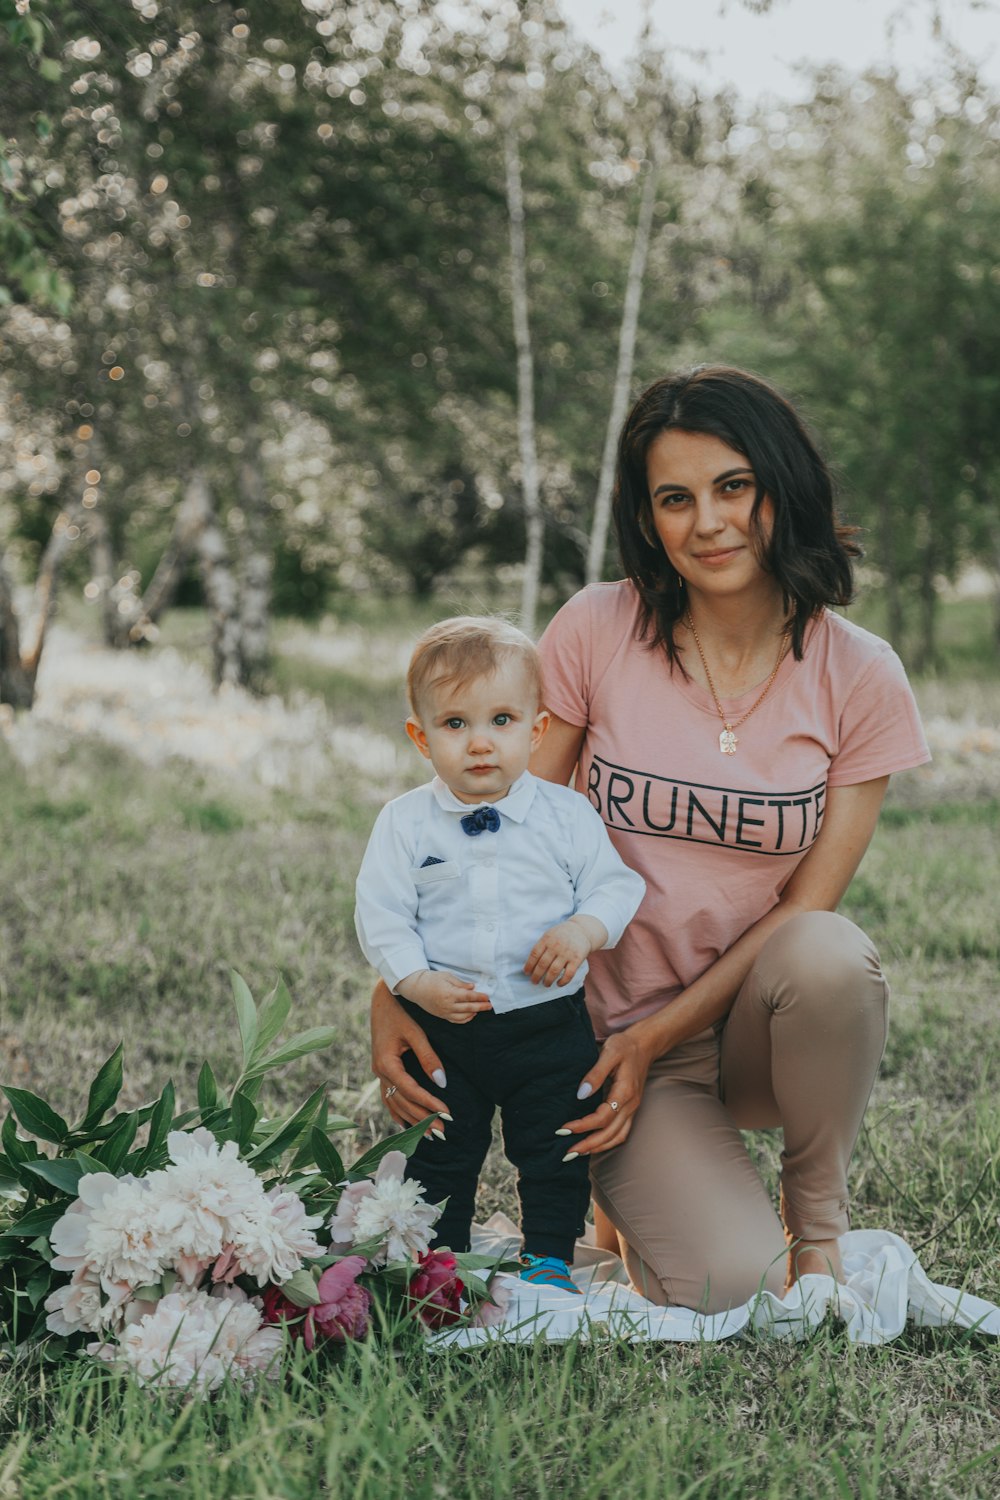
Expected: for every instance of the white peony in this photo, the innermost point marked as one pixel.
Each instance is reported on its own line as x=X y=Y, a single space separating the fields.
x=272 y=1240
x=110 y=1229
x=388 y=1209
x=205 y=1187
x=193 y=1341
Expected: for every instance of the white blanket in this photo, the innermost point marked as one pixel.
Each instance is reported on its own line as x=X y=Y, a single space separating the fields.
x=884 y=1286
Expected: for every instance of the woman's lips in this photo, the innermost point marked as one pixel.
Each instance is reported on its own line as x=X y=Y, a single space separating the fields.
x=715 y=559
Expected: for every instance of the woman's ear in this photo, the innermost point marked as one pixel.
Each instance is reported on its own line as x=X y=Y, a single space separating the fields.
x=415 y=730
x=646 y=527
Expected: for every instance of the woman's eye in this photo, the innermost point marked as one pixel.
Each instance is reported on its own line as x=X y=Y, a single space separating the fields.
x=672 y=502
x=735 y=486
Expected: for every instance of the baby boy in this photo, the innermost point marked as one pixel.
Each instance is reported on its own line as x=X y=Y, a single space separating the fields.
x=480 y=897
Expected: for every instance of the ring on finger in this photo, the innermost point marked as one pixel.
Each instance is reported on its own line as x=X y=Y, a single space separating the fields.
x=614 y=1106
x=390 y=1091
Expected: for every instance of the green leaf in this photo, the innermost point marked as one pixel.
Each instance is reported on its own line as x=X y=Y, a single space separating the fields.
x=10 y=1246
x=115 y=1149
x=326 y=1157
x=104 y=1090
x=62 y=1174
x=244 y=1114
x=150 y=1293
x=286 y=1133
x=16 y=1149
x=246 y=1015
x=87 y=1163
x=37 y=1221
x=406 y=1141
x=301 y=1289
x=160 y=1122
x=313 y=1040
x=272 y=1016
x=50 y=70
x=209 y=1093
x=37 y=1117
x=37 y=1286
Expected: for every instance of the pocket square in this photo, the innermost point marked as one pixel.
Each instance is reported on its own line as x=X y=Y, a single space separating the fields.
x=431 y=859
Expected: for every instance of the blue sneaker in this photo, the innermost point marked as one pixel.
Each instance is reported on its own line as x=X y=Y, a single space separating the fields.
x=548 y=1270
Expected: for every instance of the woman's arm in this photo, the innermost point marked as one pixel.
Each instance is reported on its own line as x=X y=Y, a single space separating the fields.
x=393 y=1033
x=818 y=884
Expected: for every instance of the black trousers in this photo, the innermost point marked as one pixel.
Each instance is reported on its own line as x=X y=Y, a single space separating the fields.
x=528 y=1063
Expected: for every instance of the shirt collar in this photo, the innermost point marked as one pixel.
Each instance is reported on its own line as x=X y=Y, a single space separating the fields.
x=514 y=806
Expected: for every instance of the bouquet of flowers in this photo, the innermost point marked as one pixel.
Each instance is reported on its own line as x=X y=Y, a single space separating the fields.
x=190 y=1247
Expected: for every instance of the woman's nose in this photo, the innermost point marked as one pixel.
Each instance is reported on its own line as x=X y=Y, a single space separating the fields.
x=708 y=519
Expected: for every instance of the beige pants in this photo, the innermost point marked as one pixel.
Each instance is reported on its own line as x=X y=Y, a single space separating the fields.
x=800 y=1050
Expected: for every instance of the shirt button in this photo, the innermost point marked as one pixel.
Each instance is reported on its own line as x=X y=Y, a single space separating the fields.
x=491 y=927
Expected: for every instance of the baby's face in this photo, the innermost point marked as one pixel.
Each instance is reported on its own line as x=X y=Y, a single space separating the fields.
x=479 y=735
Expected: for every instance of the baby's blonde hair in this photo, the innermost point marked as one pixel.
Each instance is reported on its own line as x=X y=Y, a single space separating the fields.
x=458 y=650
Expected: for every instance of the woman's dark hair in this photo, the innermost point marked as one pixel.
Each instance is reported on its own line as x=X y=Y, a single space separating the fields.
x=809 y=552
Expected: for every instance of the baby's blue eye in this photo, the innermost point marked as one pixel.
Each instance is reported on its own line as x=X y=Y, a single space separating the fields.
x=501 y=719
x=453 y=723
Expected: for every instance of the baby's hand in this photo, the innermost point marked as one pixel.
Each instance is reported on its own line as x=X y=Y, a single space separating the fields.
x=559 y=952
x=444 y=995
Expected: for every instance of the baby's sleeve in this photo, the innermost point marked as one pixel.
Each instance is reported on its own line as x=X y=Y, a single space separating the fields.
x=605 y=886
x=385 y=913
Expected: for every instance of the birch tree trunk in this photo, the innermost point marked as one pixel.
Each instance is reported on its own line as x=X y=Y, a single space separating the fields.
x=65 y=532
x=19 y=662
x=533 y=520
x=258 y=564
x=219 y=583
x=623 y=373
x=17 y=686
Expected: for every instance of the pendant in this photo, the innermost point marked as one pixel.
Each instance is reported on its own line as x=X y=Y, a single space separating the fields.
x=728 y=741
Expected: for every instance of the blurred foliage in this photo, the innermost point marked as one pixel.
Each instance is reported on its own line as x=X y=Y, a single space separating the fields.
x=269 y=243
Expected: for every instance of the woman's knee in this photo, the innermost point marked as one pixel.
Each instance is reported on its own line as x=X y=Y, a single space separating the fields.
x=821 y=955
x=727 y=1277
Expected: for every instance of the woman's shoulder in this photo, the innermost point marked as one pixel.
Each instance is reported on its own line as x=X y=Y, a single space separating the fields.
x=840 y=645
x=602 y=602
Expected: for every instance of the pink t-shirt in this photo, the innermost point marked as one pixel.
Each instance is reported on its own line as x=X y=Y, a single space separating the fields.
x=715 y=837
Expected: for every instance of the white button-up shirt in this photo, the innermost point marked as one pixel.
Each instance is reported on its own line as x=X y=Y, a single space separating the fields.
x=481 y=906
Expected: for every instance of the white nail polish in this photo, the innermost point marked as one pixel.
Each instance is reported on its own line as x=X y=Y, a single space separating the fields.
x=571 y=1156
x=439 y=1078
x=584 y=1091
x=443 y=1116
x=564 y=1132
x=438 y=1133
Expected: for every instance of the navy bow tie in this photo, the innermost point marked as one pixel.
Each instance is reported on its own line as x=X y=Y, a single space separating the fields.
x=483 y=820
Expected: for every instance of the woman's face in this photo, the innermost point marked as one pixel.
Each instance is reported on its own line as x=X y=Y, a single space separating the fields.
x=702 y=496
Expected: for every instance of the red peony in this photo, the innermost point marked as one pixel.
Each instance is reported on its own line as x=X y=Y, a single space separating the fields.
x=343 y=1311
x=435 y=1291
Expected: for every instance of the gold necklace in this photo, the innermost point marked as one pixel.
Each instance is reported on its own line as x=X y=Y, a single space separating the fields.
x=727 y=736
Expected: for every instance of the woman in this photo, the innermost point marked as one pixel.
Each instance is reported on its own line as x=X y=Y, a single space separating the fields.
x=737 y=738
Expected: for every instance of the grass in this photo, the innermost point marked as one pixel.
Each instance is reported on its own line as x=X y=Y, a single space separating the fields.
x=124 y=895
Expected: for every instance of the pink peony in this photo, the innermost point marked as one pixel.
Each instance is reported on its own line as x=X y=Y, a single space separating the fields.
x=435 y=1291
x=343 y=1312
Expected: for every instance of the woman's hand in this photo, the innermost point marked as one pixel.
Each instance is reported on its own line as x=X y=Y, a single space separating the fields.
x=393 y=1034
x=623 y=1064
